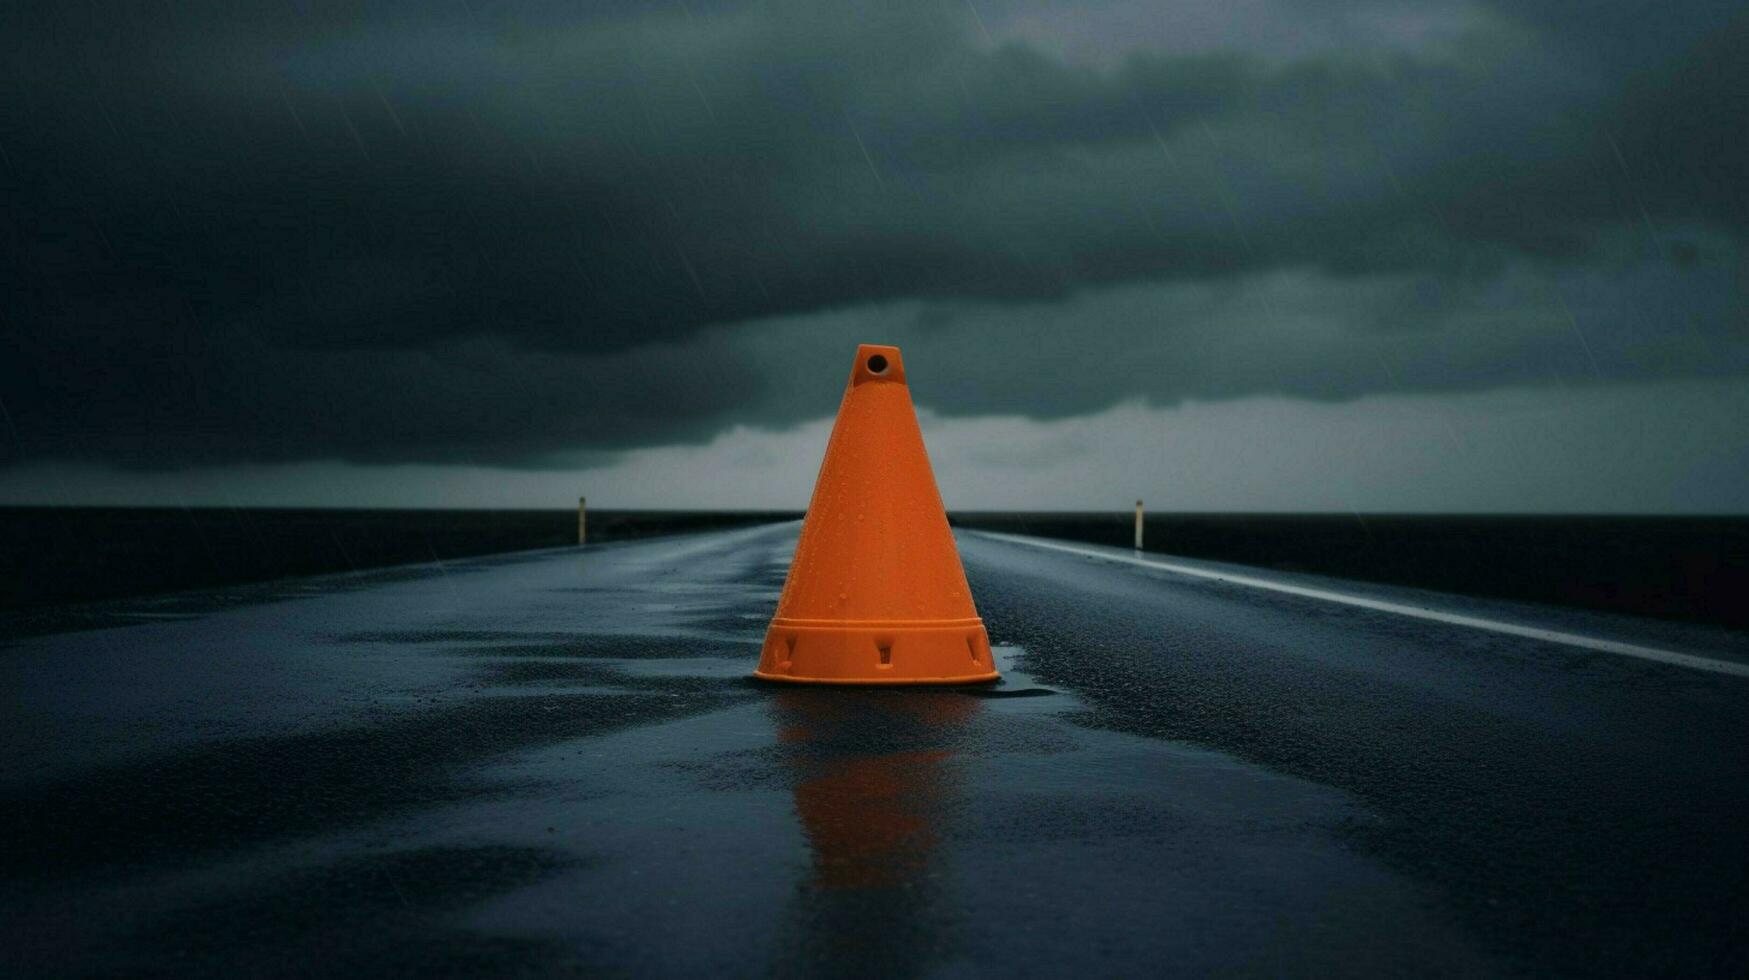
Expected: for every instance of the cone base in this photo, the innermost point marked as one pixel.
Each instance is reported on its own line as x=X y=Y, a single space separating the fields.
x=828 y=652
x=990 y=678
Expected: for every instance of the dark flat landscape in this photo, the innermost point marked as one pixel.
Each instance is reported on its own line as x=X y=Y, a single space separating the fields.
x=58 y=555
x=1685 y=568
x=554 y=763
x=1693 y=569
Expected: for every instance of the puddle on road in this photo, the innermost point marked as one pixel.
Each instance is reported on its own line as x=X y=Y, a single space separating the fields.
x=912 y=828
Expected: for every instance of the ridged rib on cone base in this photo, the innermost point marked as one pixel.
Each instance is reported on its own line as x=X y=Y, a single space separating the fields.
x=876 y=593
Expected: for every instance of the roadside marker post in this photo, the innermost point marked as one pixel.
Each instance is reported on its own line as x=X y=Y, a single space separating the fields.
x=876 y=593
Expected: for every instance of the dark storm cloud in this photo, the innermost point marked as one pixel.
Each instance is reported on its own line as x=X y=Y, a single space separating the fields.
x=254 y=230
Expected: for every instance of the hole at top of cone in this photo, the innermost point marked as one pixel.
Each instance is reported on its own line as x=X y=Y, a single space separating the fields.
x=877 y=362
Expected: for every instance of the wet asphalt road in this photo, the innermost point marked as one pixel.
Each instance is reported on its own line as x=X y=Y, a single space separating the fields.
x=553 y=763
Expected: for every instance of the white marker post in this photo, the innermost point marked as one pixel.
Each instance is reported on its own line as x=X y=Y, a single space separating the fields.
x=1138 y=525
x=582 y=521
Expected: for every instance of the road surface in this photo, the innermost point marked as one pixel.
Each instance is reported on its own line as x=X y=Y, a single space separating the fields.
x=554 y=763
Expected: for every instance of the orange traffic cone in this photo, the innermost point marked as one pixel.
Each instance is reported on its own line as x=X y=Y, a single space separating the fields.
x=876 y=593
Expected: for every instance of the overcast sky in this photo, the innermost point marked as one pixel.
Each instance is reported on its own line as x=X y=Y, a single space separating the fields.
x=1245 y=254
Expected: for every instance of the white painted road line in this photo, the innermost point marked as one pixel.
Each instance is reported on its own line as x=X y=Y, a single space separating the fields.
x=1654 y=654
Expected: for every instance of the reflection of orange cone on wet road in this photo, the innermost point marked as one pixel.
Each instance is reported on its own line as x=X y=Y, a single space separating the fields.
x=876 y=594
x=865 y=821
x=872 y=820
